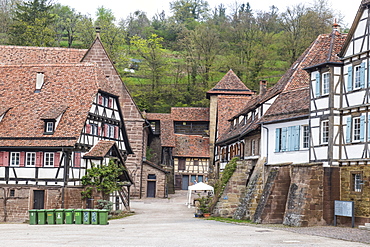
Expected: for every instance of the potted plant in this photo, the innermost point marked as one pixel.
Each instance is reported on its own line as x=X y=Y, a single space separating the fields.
x=204 y=205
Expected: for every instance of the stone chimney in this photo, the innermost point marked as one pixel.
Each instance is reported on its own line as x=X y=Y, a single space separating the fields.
x=263 y=87
x=97 y=31
x=336 y=26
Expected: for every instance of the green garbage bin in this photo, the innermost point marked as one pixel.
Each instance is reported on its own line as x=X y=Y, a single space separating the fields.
x=41 y=216
x=103 y=217
x=78 y=216
x=33 y=216
x=86 y=215
x=68 y=216
x=94 y=216
x=50 y=216
x=59 y=216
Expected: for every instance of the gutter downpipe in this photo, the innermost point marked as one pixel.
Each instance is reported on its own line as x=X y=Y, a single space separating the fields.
x=267 y=152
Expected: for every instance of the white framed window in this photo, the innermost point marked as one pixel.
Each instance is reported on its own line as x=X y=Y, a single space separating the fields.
x=356 y=182
x=305 y=136
x=325 y=83
x=357 y=77
x=325 y=132
x=356 y=131
x=253 y=147
x=14 y=158
x=30 y=159
x=48 y=159
x=49 y=128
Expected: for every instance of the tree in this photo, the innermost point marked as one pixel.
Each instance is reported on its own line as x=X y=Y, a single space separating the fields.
x=66 y=23
x=7 y=8
x=33 y=24
x=153 y=56
x=188 y=12
x=85 y=31
x=137 y=24
x=202 y=45
x=112 y=36
x=105 y=178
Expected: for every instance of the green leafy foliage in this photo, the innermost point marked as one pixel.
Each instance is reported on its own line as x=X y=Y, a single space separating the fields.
x=104 y=178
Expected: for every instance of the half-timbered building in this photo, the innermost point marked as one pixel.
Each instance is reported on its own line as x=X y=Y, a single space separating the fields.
x=182 y=140
x=61 y=111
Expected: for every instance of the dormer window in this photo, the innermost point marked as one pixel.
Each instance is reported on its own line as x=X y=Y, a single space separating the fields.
x=49 y=126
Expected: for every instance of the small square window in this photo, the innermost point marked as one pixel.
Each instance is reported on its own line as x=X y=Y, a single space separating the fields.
x=12 y=193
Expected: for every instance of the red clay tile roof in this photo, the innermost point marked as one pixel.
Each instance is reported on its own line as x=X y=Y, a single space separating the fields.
x=166 y=128
x=39 y=55
x=191 y=146
x=230 y=84
x=101 y=149
x=227 y=107
x=326 y=48
x=190 y=114
x=72 y=86
x=295 y=79
x=289 y=104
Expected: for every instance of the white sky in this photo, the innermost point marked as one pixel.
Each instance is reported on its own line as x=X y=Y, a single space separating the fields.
x=122 y=8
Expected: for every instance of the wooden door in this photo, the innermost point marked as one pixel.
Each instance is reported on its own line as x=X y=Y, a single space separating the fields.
x=38 y=199
x=185 y=182
x=151 y=189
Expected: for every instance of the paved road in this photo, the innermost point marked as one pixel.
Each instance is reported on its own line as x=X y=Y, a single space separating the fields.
x=159 y=222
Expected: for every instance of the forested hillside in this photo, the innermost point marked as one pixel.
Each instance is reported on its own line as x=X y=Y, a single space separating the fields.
x=172 y=59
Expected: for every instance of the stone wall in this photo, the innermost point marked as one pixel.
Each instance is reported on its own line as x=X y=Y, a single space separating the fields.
x=235 y=188
x=134 y=121
x=361 y=199
x=15 y=208
x=271 y=206
x=160 y=180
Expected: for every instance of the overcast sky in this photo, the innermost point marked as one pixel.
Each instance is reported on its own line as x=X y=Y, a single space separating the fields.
x=122 y=9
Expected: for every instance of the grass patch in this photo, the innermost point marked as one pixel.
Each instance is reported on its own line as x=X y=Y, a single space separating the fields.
x=229 y=220
x=121 y=215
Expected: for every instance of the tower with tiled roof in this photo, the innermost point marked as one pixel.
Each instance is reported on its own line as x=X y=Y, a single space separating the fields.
x=227 y=98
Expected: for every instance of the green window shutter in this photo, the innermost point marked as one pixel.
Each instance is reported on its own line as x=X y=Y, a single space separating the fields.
x=362 y=75
x=362 y=128
x=318 y=85
x=349 y=82
x=277 y=140
x=283 y=139
x=297 y=135
x=349 y=128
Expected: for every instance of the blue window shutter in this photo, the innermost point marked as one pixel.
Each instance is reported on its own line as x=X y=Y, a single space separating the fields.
x=289 y=139
x=283 y=139
x=349 y=82
x=277 y=140
x=362 y=128
x=349 y=128
x=362 y=75
x=318 y=85
x=368 y=127
x=297 y=135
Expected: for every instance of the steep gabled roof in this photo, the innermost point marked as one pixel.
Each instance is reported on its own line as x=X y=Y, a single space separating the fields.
x=326 y=47
x=290 y=104
x=230 y=84
x=68 y=88
x=39 y=55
